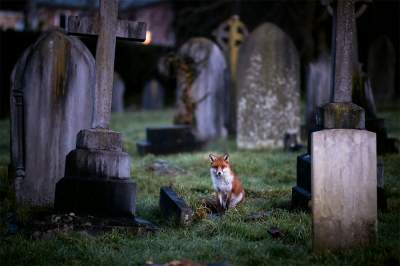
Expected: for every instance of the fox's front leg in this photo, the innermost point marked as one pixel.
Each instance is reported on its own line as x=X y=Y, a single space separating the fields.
x=228 y=200
x=220 y=200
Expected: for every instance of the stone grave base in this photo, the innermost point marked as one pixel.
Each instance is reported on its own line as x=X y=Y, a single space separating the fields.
x=96 y=196
x=97 y=177
x=168 y=139
x=344 y=187
x=301 y=193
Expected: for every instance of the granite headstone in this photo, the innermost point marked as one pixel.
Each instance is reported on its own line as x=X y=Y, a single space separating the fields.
x=268 y=88
x=51 y=100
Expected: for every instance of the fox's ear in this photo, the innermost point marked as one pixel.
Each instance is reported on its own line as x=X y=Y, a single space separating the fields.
x=226 y=157
x=212 y=157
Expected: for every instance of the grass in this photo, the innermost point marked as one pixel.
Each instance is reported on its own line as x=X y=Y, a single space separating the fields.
x=267 y=176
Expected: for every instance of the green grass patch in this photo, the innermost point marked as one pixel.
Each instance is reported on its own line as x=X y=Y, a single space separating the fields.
x=267 y=176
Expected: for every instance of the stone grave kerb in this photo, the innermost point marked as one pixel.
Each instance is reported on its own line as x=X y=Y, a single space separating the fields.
x=97 y=172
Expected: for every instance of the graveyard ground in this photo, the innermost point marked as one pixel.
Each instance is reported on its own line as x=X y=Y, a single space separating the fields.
x=268 y=177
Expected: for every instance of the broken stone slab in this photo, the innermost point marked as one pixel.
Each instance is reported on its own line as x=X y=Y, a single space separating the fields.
x=98 y=164
x=344 y=187
x=101 y=139
x=175 y=208
x=168 y=140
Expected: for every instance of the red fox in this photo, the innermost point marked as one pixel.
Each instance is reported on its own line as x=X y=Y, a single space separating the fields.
x=227 y=186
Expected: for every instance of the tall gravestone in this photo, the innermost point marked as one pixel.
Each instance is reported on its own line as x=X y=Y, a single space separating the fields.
x=117 y=104
x=51 y=100
x=381 y=69
x=207 y=87
x=343 y=155
x=268 y=89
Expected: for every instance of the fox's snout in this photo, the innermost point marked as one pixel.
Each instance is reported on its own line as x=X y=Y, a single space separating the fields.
x=219 y=173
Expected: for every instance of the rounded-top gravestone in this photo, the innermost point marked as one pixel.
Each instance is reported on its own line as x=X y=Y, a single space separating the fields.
x=51 y=101
x=208 y=87
x=268 y=89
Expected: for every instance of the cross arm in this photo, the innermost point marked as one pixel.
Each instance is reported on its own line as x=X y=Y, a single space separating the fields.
x=131 y=30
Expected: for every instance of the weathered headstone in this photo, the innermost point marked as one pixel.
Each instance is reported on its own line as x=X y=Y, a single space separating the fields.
x=153 y=95
x=344 y=183
x=175 y=208
x=268 y=88
x=51 y=100
x=97 y=176
x=117 y=104
x=207 y=86
x=381 y=69
x=343 y=155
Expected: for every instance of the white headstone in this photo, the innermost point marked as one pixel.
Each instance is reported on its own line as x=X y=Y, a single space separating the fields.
x=51 y=101
x=268 y=86
x=344 y=188
x=208 y=87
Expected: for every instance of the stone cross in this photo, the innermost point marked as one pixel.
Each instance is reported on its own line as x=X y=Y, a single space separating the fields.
x=107 y=26
x=344 y=49
x=230 y=35
x=343 y=155
x=97 y=172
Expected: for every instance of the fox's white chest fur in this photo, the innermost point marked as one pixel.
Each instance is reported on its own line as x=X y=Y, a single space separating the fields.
x=222 y=183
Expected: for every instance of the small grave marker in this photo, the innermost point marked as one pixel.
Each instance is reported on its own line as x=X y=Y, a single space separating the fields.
x=174 y=207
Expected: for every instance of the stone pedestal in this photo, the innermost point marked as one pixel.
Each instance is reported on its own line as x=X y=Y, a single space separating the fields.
x=330 y=116
x=301 y=193
x=344 y=187
x=97 y=176
x=167 y=140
